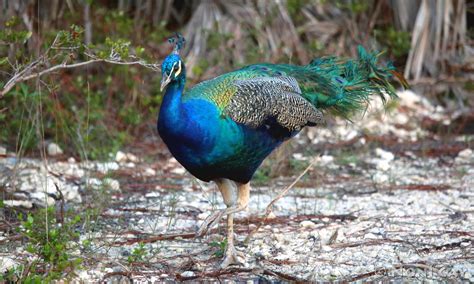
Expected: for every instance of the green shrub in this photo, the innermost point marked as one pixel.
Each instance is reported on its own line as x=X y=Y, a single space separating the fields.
x=51 y=240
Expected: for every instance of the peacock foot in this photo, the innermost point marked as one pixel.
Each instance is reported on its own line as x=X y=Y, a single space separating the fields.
x=232 y=257
x=210 y=221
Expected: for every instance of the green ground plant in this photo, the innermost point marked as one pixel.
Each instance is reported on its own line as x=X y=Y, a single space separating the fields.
x=51 y=238
x=219 y=247
x=139 y=253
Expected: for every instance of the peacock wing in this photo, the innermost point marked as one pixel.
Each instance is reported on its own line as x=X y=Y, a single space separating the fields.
x=276 y=99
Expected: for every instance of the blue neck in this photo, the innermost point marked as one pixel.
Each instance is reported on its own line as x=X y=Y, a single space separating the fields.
x=172 y=98
x=171 y=111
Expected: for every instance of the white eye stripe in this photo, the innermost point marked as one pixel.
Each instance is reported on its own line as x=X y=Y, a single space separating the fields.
x=179 y=69
x=171 y=72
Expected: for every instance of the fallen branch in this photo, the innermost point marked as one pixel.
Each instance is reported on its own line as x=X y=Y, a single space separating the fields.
x=425 y=187
x=127 y=274
x=162 y=237
x=216 y=274
x=286 y=219
x=445 y=247
x=368 y=243
x=385 y=271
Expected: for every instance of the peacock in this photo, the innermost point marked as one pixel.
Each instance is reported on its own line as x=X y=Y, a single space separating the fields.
x=222 y=129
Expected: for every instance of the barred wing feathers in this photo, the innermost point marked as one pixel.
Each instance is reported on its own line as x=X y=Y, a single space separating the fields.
x=262 y=99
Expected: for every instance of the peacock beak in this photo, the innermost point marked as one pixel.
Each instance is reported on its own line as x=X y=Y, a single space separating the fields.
x=165 y=80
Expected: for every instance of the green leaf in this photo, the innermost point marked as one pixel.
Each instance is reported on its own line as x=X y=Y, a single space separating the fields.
x=27 y=36
x=3 y=60
x=30 y=219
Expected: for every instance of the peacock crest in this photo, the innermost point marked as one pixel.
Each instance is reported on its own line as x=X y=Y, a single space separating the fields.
x=178 y=41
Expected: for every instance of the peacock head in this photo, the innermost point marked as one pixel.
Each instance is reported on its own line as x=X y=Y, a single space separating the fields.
x=172 y=68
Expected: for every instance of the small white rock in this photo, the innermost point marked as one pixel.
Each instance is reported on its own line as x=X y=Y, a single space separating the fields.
x=307 y=224
x=326 y=248
x=130 y=165
x=3 y=150
x=465 y=156
x=377 y=231
x=41 y=198
x=18 y=203
x=401 y=118
x=298 y=156
x=120 y=157
x=202 y=216
x=370 y=236
x=112 y=184
x=271 y=215
x=384 y=155
x=149 y=172
x=466 y=153
x=107 y=167
x=71 y=160
x=83 y=275
x=351 y=135
x=409 y=98
x=94 y=183
x=54 y=149
x=131 y=157
x=325 y=235
x=325 y=159
x=7 y=263
x=188 y=188
x=380 y=177
x=152 y=194
x=178 y=170
x=72 y=194
x=75 y=172
x=383 y=165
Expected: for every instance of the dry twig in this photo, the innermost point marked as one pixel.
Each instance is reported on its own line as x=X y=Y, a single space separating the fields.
x=216 y=274
x=269 y=208
x=385 y=271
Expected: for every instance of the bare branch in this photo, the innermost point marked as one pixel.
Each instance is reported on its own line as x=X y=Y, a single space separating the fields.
x=24 y=76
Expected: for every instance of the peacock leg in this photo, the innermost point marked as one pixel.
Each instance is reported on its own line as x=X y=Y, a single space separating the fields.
x=229 y=194
x=231 y=255
x=236 y=200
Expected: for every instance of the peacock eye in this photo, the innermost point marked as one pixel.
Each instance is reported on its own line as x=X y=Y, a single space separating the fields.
x=176 y=67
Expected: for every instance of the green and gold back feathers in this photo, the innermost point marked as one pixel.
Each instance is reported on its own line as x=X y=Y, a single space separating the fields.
x=329 y=84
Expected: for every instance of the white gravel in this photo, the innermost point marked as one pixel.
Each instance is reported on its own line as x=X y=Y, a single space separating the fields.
x=381 y=215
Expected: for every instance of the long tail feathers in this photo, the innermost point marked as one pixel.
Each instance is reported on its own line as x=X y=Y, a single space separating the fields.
x=344 y=86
